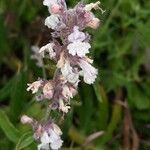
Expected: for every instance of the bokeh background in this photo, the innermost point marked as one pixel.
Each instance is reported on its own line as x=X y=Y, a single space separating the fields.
x=119 y=101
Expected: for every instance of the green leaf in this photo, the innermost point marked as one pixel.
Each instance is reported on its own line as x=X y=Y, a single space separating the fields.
x=10 y=131
x=25 y=140
x=112 y=126
x=5 y=91
x=87 y=109
x=18 y=91
x=102 y=112
x=4 y=44
x=137 y=97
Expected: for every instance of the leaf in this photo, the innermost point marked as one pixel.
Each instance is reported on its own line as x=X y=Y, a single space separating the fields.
x=112 y=126
x=87 y=109
x=4 y=44
x=137 y=97
x=18 y=96
x=102 y=112
x=25 y=140
x=144 y=32
x=5 y=91
x=10 y=131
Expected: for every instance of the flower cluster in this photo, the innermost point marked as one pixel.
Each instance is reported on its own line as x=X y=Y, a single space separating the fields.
x=68 y=49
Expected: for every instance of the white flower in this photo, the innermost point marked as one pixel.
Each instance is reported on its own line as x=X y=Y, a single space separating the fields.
x=49 y=2
x=52 y=21
x=51 y=138
x=64 y=108
x=37 y=56
x=95 y=6
x=48 y=48
x=34 y=87
x=77 y=45
x=76 y=35
x=69 y=75
x=79 y=48
x=88 y=72
x=91 y=6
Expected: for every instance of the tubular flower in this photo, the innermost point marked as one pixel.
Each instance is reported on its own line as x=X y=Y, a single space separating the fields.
x=88 y=72
x=50 y=138
x=77 y=45
x=34 y=87
x=52 y=21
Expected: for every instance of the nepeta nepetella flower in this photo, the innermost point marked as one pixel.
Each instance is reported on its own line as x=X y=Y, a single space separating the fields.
x=77 y=45
x=68 y=48
x=50 y=138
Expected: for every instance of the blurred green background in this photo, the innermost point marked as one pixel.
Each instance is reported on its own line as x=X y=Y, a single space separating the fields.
x=119 y=101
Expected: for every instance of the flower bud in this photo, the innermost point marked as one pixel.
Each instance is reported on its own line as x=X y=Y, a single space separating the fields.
x=48 y=90
x=94 y=23
x=54 y=9
x=26 y=120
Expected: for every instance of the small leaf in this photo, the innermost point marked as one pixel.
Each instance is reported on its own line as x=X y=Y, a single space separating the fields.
x=137 y=97
x=102 y=112
x=25 y=140
x=5 y=91
x=18 y=95
x=10 y=131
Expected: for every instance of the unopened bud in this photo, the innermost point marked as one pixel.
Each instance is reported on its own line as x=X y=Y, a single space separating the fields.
x=48 y=90
x=55 y=9
x=94 y=23
x=26 y=120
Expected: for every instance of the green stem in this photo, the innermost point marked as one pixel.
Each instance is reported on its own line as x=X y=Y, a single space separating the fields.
x=115 y=119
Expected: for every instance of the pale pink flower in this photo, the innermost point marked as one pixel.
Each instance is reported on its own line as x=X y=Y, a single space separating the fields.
x=67 y=93
x=48 y=90
x=26 y=120
x=34 y=87
x=94 y=23
x=51 y=138
x=55 y=9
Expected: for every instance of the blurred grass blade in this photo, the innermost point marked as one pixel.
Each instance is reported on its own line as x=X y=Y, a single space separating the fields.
x=103 y=112
x=115 y=119
x=97 y=92
x=10 y=131
x=18 y=95
x=5 y=91
x=87 y=104
x=25 y=140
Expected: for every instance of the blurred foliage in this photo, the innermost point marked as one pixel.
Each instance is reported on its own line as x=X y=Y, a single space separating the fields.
x=119 y=101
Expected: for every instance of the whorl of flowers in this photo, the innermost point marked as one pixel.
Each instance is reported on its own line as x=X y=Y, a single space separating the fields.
x=68 y=49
